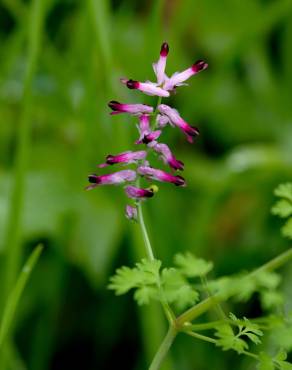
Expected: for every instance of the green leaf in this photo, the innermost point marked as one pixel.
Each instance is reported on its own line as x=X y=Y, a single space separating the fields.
x=150 y=270
x=125 y=279
x=144 y=277
x=191 y=266
x=280 y=358
x=144 y=294
x=284 y=191
x=268 y=279
x=247 y=328
x=287 y=229
x=266 y=362
x=15 y=295
x=177 y=289
x=271 y=299
x=282 y=208
x=227 y=340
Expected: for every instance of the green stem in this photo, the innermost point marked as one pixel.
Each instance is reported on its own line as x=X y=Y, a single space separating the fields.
x=201 y=337
x=167 y=310
x=149 y=250
x=209 y=302
x=163 y=349
x=214 y=341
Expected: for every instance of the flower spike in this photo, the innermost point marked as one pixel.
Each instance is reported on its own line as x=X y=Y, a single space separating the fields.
x=178 y=78
x=159 y=175
x=151 y=122
x=138 y=193
x=174 y=117
x=124 y=158
x=134 y=109
x=159 y=66
x=115 y=178
x=148 y=87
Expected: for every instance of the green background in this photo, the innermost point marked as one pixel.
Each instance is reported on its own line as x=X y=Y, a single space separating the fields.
x=60 y=63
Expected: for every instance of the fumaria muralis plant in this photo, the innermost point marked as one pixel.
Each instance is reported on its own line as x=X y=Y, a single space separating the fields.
x=181 y=296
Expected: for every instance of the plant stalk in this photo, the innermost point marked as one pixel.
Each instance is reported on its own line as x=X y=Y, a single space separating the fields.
x=146 y=239
x=163 y=349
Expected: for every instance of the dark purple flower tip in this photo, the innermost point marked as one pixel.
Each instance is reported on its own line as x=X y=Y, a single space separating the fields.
x=176 y=164
x=94 y=179
x=200 y=65
x=114 y=105
x=111 y=159
x=180 y=181
x=148 y=138
x=131 y=84
x=164 y=49
x=192 y=130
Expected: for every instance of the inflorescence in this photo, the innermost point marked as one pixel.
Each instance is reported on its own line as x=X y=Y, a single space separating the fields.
x=151 y=122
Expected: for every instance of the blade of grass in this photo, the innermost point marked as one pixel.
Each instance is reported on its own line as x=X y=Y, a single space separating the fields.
x=13 y=236
x=15 y=295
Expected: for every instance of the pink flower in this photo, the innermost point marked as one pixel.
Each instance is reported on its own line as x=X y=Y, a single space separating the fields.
x=131 y=213
x=115 y=178
x=138 y=193
x=159 y=175
x=146 y=134
x=125 y=158
x=178 y=78
x=159 y=66
x=148 y=87
x=162 y=120
x=167 y=156
x=135 y=109
x=174 y=118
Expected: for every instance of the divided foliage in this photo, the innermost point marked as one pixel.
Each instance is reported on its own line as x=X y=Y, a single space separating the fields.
x=174 y=284
x=283 y=207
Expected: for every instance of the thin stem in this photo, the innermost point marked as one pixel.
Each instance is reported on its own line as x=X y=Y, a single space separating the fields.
x=202 y=337
x=163 y=349
x=149 y=250
x=167 y=310
x=205 y=305
x=214 y=341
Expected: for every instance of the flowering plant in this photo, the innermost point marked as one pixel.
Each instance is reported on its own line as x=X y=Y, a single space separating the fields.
x=181 y=289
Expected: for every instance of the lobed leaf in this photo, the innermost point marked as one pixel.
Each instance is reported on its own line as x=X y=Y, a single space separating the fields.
x=284 y=191
x=192 y=266
x=227 y=340
x=282 y=208
x=177 y=289
x=287 y=229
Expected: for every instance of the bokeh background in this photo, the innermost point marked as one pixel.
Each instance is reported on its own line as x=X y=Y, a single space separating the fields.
x=60 y=63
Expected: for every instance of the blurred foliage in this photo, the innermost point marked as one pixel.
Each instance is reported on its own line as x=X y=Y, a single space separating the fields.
x=242 y=105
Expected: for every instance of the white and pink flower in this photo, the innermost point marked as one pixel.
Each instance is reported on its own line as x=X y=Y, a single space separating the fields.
x=175 y=119
x=155 y=174
x=128 y=157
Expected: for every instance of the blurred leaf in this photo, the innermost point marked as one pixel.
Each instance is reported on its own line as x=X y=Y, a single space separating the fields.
x=282 y=208
x=177 y=289
x=192 y=266
x=287 y=229
x=284 y=191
